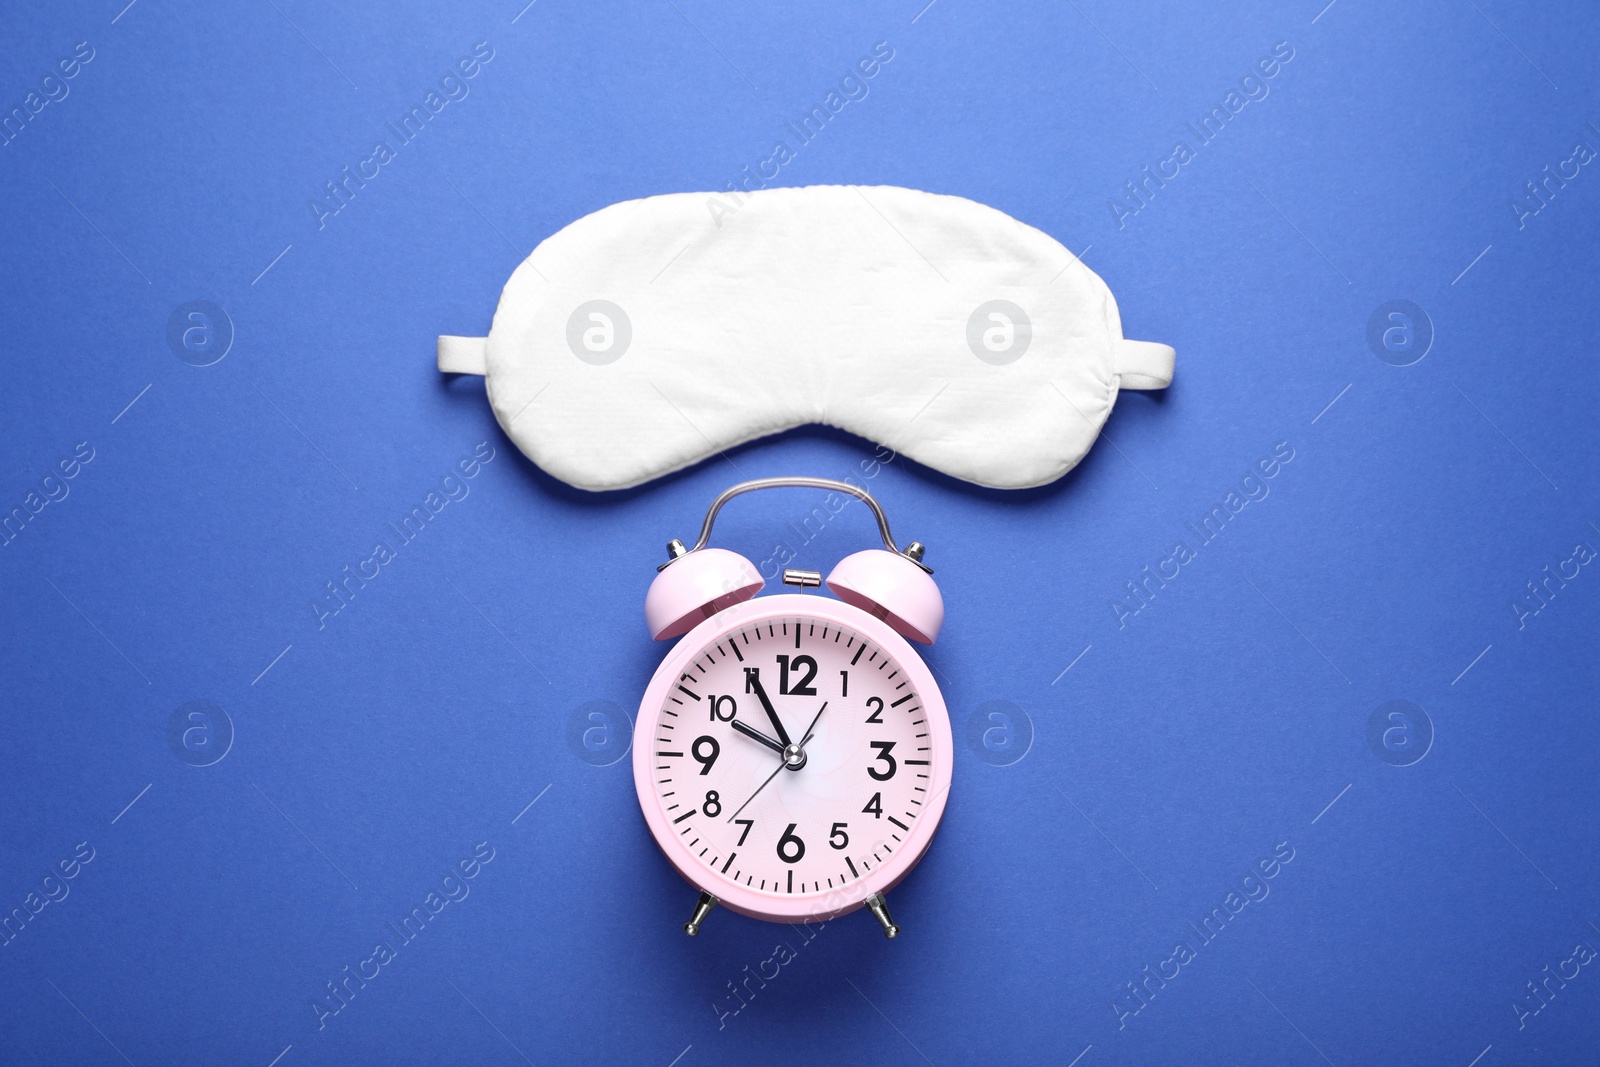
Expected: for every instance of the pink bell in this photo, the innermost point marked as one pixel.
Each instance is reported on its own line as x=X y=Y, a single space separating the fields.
x=892 y=588
x=696 y=586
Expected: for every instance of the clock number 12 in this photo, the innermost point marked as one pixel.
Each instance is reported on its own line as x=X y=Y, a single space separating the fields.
x=803 y=686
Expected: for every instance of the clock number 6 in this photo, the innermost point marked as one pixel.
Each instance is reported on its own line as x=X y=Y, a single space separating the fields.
x=790 y=848
x=884 y=748
x=713 y=749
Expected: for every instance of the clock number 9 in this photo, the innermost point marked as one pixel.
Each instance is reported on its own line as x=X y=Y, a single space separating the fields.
x=790 y=848
x=884 y=748
x=721 y=703
x=713 y=750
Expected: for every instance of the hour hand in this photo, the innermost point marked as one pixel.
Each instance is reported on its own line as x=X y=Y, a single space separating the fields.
x=750 y=731
x=753 y=681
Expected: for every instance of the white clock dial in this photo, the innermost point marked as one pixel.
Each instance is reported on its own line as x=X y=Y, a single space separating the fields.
x=845 y=800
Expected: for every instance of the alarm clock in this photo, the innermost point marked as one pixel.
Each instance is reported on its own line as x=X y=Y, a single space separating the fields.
x=792 y=753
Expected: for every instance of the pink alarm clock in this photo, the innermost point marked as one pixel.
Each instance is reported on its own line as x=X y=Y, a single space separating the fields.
x=792 y=753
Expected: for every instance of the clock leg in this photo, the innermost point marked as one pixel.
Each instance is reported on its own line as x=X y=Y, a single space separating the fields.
x=702 y=908
x=880 y=910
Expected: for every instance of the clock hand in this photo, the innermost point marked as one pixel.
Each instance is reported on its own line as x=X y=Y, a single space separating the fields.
x=813 y=725
x=793 y=757
x=781 y=765
x=750 y=731
x=753 y=681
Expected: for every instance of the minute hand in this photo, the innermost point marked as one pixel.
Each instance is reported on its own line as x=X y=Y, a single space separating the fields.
x=754 y=682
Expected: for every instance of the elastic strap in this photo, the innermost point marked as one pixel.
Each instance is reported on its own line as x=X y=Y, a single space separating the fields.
x=465 y=355
x=1141 y=364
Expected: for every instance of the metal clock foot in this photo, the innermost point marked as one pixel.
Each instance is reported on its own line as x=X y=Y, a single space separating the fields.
x=702 y=908
x=880 y=910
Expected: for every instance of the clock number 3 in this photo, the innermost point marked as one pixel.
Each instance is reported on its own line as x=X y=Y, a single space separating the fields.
x=884 y=748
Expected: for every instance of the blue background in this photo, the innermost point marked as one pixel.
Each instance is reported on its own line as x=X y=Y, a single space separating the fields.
x=1181 y=747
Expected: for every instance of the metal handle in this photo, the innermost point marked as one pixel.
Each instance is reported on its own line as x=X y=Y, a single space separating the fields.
x=912 y=551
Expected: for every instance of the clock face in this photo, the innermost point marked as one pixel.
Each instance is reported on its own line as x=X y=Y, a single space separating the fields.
x=842 y=786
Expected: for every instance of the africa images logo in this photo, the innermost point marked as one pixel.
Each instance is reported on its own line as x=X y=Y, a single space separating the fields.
x=852 y=88
x=1140 y=591
x=452 y=888
x=52 y=90
x=453 y=87
x=1254 y=87
x=340 y=591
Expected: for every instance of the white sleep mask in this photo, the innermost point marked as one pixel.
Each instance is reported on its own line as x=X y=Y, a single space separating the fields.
x=656 y=332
